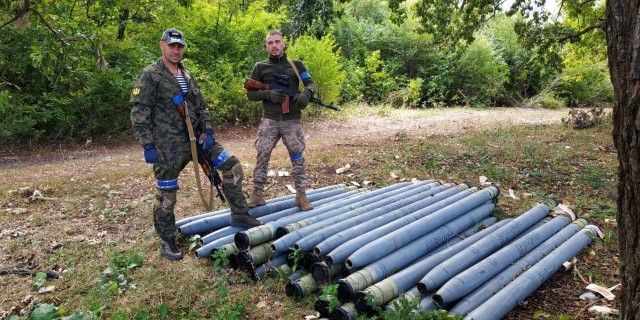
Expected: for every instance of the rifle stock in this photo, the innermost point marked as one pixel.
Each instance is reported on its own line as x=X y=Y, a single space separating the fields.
x=251 y=84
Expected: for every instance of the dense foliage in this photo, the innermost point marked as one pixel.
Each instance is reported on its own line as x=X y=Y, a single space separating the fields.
x=67 y=67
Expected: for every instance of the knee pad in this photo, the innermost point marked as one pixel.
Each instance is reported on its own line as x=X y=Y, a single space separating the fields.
x=296 y=156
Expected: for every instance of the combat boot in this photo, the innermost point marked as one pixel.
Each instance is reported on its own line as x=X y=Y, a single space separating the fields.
x=302 y=201
x=243 y=220
x=170 y=250
x=256 y=198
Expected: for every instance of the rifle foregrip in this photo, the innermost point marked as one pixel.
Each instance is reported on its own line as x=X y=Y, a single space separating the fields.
x=251 y=84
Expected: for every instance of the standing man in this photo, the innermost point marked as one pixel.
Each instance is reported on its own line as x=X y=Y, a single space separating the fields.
x=281 y=118
x=160 y=89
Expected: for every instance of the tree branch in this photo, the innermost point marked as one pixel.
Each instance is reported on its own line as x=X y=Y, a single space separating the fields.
x=598 y=25
x=25 y=8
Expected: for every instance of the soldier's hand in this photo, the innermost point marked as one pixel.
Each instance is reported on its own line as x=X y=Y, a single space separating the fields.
x=209 y=140
x=275 y=96
x=302 y=100
x=151 y=154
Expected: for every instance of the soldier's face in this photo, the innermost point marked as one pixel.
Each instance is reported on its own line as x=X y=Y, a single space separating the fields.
x=275 y=45
x=173 y=53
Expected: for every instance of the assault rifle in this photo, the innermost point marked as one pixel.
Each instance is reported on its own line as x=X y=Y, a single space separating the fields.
x=251 y=84
x=202 y=154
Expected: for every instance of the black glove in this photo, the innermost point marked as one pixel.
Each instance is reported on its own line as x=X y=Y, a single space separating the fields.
x=275 y=96
x=302 y=100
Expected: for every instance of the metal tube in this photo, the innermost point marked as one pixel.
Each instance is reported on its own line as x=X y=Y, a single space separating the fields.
x=186 y=220
x=222 y=220
x=522 y=286
x=477 y=274
x=287 y=235
x=389 y=288
x=349 y=241
x=249 y=258
x=402 y=257
x=266 y=232
x=407 y=202
x=270 y=267
x=406 y=205
x=346 y=311
x=398 y=238
x=483 y=248
x=489 y=288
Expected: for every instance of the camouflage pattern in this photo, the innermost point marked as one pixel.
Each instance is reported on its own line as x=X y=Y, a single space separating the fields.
x=269 y=133
x=164 y=221
x=155 y=120
x=154 y=117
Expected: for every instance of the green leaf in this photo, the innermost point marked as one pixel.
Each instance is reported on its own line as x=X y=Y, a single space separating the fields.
x=44 y=311
x=79 y=315
x=41 y=277
x=163 y=311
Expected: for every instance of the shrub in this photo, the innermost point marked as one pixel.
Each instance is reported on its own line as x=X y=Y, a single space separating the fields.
x=479 y=75
x=322 y=59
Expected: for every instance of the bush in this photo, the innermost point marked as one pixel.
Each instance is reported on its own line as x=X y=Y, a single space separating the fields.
x=479 y=75
x=322 y=59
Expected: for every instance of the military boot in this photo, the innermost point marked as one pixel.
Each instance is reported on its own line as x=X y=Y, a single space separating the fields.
x=170 y=250
x=256 y=198
x=302 y=201
x=243 y=220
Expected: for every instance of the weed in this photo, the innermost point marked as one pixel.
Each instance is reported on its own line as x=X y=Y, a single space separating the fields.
x=330 y=294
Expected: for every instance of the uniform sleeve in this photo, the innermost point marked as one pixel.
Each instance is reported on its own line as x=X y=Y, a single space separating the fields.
x=256 y=95
x=142 y=100
x=305 y=76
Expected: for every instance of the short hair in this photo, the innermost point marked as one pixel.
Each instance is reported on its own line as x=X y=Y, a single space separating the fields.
x=275 y=32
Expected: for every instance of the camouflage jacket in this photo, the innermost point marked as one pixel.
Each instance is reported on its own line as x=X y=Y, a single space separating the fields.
x=264 y=72
x=155 y=119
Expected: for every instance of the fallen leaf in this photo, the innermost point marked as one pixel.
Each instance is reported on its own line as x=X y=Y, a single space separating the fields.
x=512 y=194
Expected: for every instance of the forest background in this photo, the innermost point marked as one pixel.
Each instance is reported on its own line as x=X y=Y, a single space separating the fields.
x=67 y=67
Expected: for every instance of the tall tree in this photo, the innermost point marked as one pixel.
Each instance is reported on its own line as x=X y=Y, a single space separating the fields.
x=622 y=26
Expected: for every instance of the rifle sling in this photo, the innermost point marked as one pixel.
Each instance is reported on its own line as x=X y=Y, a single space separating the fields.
x=293 y=65
x=194 y=159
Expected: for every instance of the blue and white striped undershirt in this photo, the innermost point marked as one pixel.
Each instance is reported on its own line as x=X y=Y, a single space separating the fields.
x=182 y=80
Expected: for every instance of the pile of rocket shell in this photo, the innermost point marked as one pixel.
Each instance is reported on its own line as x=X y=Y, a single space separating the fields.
x=429 y=241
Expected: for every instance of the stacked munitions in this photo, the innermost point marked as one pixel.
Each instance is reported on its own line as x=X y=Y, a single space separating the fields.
x=427 y=241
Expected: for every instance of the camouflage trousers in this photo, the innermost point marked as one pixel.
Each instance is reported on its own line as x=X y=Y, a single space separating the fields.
x=269 y=133
x=167 y=172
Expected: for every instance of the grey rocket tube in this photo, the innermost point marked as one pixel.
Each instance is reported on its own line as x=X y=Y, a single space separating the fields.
x=392 y=200
x=268 y=218
x=266 y=232
x=312 y=235
x=186 y=220
x=222 y=220
x=483 y=248
x=391 y=287
x=402 y=257
x=398 y=238
x=375 y=231
x=340 y=236
x=489 y=288
x=477 y=274
x=521 y=287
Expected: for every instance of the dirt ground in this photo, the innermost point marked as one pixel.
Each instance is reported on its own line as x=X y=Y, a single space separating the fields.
x=363 y=129
x=324 y=133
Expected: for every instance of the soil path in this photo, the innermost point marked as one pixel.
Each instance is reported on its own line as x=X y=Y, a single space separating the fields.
x=366 y=127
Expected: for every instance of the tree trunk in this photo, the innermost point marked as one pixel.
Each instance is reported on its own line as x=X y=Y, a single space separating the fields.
x=623 y=45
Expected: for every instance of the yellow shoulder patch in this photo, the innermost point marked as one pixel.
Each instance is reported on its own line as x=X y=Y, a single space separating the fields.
x=135 y=91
